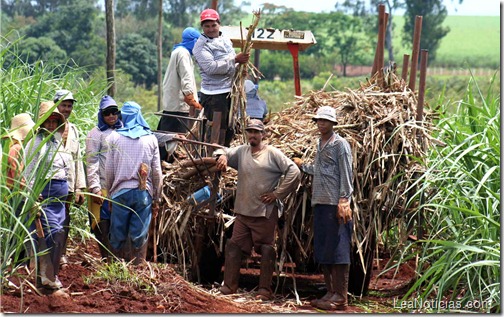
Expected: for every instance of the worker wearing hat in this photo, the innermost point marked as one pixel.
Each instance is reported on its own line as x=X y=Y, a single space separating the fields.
x=217 y=63
x=180 y=94
x=133 y=180
x=332 y=225
x=257 y=205
x=256 y=107
x=21 y=127
x=46 y=157
x=65 y=101
x=96 y=151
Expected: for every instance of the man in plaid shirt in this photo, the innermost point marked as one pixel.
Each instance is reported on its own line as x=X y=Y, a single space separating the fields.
x=331 y=193
x=133 y=181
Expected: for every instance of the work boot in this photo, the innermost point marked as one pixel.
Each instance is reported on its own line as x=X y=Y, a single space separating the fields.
x=140 y=253
x=57 y=240
x=339 y=276
x=66 y=229
x=101 y=232
x=232 y=263
x=326 y=270
x=268 y=257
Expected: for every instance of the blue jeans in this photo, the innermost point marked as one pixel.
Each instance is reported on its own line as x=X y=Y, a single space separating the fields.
x=130 y=217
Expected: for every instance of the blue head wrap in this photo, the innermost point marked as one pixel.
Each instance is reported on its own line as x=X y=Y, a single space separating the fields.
x=135 y=125
x=189 y=38
x=106 y=102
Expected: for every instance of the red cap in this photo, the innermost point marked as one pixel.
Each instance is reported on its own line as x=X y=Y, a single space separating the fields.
x=209 y=14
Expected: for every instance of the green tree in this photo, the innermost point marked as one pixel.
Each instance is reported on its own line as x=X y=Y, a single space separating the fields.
x=76 y=29
x=350 y=39
x=136 y=56
x=43 y=48
x=433 y=13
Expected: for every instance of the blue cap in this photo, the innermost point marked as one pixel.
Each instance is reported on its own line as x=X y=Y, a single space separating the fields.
x=106 y=102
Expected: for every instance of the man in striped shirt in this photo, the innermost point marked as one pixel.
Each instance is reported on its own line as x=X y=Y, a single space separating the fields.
x=331 y=193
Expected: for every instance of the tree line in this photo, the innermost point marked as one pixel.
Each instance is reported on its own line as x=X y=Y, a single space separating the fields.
x=73 y=32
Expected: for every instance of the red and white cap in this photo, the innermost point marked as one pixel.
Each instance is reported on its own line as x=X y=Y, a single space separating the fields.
x=209 y=14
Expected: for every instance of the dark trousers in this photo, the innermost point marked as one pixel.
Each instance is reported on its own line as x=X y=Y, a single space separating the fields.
x=219 y=103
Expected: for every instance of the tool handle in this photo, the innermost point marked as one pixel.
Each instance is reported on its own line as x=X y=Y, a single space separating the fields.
x=40 y=230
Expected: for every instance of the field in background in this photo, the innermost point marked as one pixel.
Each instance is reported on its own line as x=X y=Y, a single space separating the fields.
x=472 y=41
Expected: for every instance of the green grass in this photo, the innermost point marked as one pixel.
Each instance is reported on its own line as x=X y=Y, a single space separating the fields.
x=473 y=41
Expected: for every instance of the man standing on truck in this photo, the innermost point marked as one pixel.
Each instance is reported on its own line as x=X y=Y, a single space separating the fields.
x=217 y=62
x=257 y=205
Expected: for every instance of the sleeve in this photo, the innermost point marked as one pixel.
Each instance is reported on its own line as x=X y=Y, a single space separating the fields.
x=291 y=175
x=31 y=159
x=209 y=65
x=345 y=168
x=157 y=175
x=233 y=155
x=93 y=148
x=80 y=176
x=185 y=71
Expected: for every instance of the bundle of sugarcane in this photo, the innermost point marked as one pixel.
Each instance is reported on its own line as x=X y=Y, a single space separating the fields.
x=387 y=143
x=238 y=97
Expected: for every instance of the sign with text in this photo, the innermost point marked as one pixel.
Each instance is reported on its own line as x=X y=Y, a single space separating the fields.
x=268 y=38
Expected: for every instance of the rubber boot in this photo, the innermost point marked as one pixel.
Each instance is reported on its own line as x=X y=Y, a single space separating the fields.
x=66 y=229
x=268 y=257
x=339 y=276
x=326 y=270
x=101 y=232
x=56 y=253
x=139 y=254
x=232 y=263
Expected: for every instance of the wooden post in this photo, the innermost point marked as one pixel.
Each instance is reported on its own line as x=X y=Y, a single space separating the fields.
x=160 y=55
x=416 y=50
x=405 y=63
x=421 y=89
x=111 y=47
x=381 y=21
x=381 y=51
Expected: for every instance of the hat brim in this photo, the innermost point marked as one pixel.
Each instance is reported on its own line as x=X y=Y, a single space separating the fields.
x=315 y=118
x=256 y=129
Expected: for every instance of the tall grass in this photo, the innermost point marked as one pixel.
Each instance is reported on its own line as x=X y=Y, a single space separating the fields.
x=459 y=262
x=22 y=88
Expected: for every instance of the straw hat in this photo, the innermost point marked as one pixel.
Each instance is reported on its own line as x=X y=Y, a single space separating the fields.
x=21 y=125
x=47 y=106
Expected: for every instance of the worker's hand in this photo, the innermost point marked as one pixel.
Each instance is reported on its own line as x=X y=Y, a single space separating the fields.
x=242 y=58
x=155 y=210
x=268 y=198
x=344 y=211
x=79 y=198
x=191 y=101
x=298 y=161
x=221 y=163
x=98 y=199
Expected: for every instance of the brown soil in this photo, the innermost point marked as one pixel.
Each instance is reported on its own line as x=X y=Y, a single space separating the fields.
x=170 y=293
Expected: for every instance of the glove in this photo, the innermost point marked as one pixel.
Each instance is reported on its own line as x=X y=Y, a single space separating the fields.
x=298 y=161
x=189 y=99
x=344 y=212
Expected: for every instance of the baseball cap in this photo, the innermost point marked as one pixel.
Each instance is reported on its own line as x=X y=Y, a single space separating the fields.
x=327 y=113
x=209 y=14
x=62 y=95
x=106 y=102
x=255 y=124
